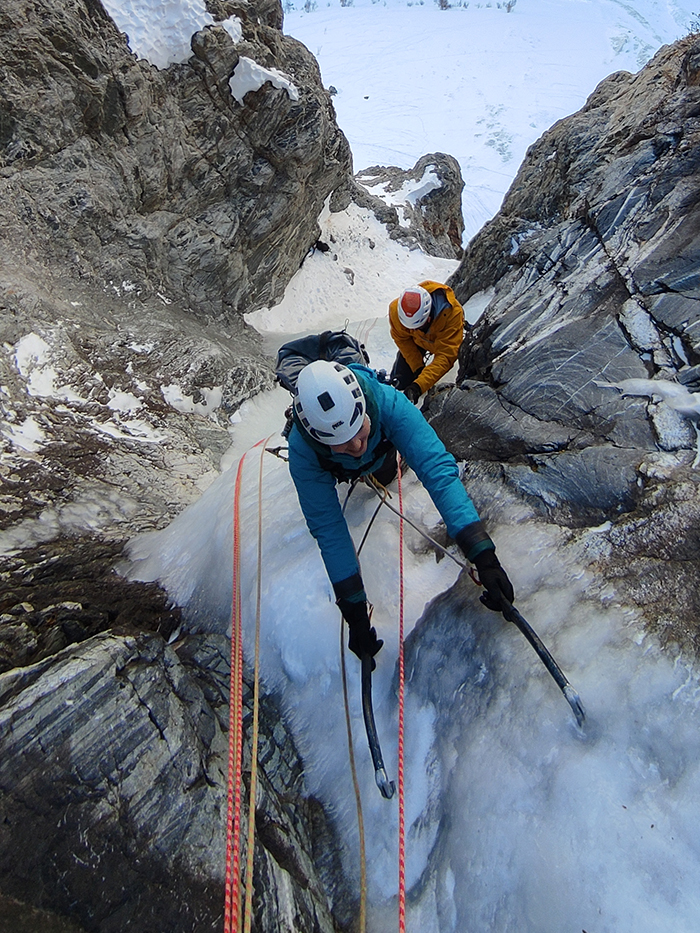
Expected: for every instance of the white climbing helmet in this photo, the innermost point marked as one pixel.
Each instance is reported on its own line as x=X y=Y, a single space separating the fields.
x=414 y=307
x=329 y=402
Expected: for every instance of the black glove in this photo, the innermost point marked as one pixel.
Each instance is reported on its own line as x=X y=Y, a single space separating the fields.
x=498 y=587
x=412 y=392
x=363 y=637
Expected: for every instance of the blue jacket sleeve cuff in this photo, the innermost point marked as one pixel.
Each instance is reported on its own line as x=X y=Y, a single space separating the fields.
x=473 y=539
x=351 y=588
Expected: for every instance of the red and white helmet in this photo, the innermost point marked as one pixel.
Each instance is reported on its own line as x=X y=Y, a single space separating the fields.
x=329 y=402
x=414 y=307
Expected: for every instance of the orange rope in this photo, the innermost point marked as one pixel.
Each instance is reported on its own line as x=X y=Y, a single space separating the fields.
x=402 y=841
x=248 y=906
x=232 y=913
x=231 y=916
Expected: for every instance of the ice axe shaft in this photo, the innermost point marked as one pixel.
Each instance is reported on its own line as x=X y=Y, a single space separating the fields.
x=512 y=615
x=386 y=786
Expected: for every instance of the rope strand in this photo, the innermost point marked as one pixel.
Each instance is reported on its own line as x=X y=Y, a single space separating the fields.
x=402 y=828
x=232 y=894
x=248 y=905
x=232 y=911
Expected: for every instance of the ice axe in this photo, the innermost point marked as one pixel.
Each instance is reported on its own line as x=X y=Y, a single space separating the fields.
x=386 y=786
x=512 y=615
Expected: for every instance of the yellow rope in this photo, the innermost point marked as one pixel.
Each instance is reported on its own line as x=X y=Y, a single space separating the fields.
x=248 y=906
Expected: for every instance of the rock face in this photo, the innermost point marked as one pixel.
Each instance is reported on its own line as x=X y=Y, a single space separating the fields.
x=163 y=178
x=113 y=771
x=419 y=206
x=569 y=384
x=102 y=393
x=136 y=205
x=141 y=213
x=65 y=592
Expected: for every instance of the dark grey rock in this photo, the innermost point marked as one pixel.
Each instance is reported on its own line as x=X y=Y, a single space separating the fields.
x=593 y=259
x=479 y=424
x=579 y=487
x=650 y=555
x=124 y=172
x=67 y=591
x=431 y=218
x=113 y=767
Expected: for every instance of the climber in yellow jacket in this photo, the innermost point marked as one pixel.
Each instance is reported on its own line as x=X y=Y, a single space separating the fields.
x=425 y=319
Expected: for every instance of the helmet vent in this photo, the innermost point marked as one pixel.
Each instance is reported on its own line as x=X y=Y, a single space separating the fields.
x=325 y=401
x=410 y=303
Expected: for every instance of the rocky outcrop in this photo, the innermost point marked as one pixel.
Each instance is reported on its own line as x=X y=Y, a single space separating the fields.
x=574 y=383
x=136 y=205
x=122 y=172
x=113 y=764
x=421 y=206
x=101 y=393
x=65 y=592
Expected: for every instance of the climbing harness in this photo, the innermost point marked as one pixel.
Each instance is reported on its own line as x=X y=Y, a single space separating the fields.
x=508 y=610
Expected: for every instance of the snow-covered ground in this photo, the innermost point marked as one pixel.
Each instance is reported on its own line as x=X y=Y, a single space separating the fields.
x=538 y=827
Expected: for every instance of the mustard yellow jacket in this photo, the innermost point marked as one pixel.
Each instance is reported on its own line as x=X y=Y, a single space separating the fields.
x=443 y=338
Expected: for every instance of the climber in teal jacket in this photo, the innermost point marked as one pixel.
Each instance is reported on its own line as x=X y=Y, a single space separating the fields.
x=348 y=424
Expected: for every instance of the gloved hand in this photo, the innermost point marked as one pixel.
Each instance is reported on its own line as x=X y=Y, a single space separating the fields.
x=412 y=392
x=363 y=637
x=495 y=580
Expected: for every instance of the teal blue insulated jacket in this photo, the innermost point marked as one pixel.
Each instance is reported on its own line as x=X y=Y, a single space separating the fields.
x=396 y=418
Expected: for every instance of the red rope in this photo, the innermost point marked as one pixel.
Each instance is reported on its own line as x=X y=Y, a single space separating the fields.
x=232 y=915
x=248 y=901
x=402 y=840
x=234 y=759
